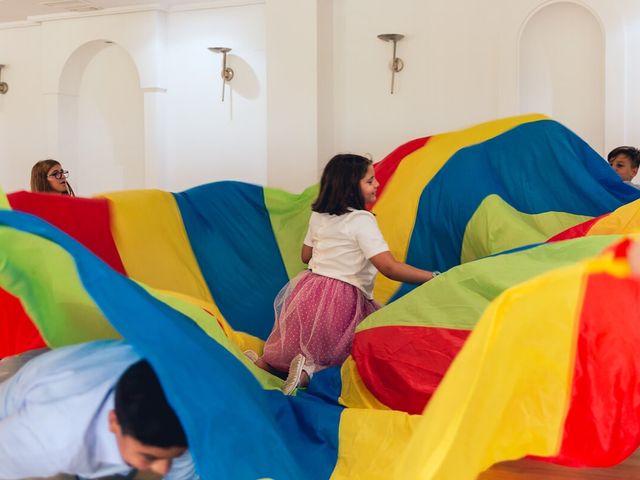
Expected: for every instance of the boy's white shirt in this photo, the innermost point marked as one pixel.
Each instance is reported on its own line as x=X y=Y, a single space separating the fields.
x=54 y=415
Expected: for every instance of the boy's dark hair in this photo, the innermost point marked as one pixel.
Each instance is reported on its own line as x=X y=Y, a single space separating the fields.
x=340 y=184
x=631 y=152
x=142 y=409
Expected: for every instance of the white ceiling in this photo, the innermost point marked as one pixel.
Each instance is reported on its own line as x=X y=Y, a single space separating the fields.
x=19 y=10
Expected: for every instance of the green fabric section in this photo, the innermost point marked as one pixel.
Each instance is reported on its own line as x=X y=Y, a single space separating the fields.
x=289 y=214
x=4 y=202
x=44 y=277
x=496 y=227
x=211 y=327
x=457 y=298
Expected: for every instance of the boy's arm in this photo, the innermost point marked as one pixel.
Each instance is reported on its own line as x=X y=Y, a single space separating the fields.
x=182 y=468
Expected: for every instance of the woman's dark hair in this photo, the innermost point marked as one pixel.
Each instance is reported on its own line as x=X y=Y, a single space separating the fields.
x=39 y=181
x=631 y=152
x=340 y=184
x=142 y=409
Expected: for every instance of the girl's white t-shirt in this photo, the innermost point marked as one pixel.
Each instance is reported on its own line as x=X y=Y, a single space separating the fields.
x=342 y=246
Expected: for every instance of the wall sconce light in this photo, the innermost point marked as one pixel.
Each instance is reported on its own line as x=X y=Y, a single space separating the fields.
x=227 y=72
x=4 y=87
x=396 y=63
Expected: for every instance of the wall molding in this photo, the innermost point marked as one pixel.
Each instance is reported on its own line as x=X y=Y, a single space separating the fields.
x=153 y=90
x=152 y=7
x=214 y=4
x=35 y=20
x=19 y=24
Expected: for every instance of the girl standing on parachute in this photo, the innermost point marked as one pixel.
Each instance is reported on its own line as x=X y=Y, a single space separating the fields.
x=317 y=311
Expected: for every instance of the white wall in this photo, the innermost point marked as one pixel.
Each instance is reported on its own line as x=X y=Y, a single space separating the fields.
x=631 y=125
x=461 y=67
x=209 y=140
x=449 y=78
x=146 y=109
x=311 y=79
x=22 y=120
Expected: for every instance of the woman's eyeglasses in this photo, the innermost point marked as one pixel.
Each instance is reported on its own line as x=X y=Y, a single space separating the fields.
x=59 y=174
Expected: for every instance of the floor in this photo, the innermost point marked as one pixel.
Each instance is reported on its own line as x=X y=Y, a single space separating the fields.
x=532 y=470
x=535 y=470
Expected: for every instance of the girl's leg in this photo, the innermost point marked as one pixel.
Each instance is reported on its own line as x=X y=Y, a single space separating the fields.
x=304 y=379
x=261 y=363
x=264 y=365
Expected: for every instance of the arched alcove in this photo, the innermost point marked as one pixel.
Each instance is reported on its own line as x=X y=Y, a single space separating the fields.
x=101 y=119
x=562 y=69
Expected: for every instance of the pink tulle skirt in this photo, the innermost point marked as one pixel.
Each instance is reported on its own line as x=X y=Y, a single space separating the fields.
x=316 y=316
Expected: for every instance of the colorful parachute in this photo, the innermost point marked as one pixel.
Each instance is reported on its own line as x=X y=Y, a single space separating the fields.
x=536 y=339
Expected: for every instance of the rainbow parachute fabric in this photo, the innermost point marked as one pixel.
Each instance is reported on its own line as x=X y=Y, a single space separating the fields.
x=523 y=347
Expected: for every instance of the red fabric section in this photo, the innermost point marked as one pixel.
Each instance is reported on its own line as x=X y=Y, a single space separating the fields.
x=386 y=167
x=620 y=249
x=576 y=231
x=17 y=333
x=602 y=427
x=85 y=219
x=402 y=366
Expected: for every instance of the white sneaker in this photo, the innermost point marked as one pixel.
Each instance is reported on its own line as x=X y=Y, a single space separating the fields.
x=251 y=355
x=295 y=373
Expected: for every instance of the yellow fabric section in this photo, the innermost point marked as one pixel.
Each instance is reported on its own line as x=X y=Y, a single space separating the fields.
x=397 y=207
x=207 y=316
x=496 y=226
x=153 y=244
x=371 y=442
x=355 y=393
x=625 y=219
x=486 y=410
x=4 y=201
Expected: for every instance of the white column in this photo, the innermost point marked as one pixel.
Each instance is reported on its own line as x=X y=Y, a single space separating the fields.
x=299 y=91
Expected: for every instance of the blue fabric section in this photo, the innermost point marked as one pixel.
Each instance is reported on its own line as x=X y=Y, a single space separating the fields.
x=536 y=167
x=325 y=385
x=235 y=428
x=230 y=232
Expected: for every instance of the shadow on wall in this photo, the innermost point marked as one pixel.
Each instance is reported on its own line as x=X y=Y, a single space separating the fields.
x=245 y=81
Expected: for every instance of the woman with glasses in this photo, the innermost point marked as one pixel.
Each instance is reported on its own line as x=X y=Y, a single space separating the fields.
x=48 y=176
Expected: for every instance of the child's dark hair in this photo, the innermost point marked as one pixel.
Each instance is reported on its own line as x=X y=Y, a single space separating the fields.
x=340 y=184
x=142 y=409
x=631 y=152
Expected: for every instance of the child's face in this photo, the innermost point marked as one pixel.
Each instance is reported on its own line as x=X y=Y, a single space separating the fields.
x=145 y=458
x=369 y=185
x=56 y=179
x=622 y=165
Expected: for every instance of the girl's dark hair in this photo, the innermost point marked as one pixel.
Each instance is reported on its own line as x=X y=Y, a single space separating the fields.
x=340 y=184
x=142 y=409
x=39 y=181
